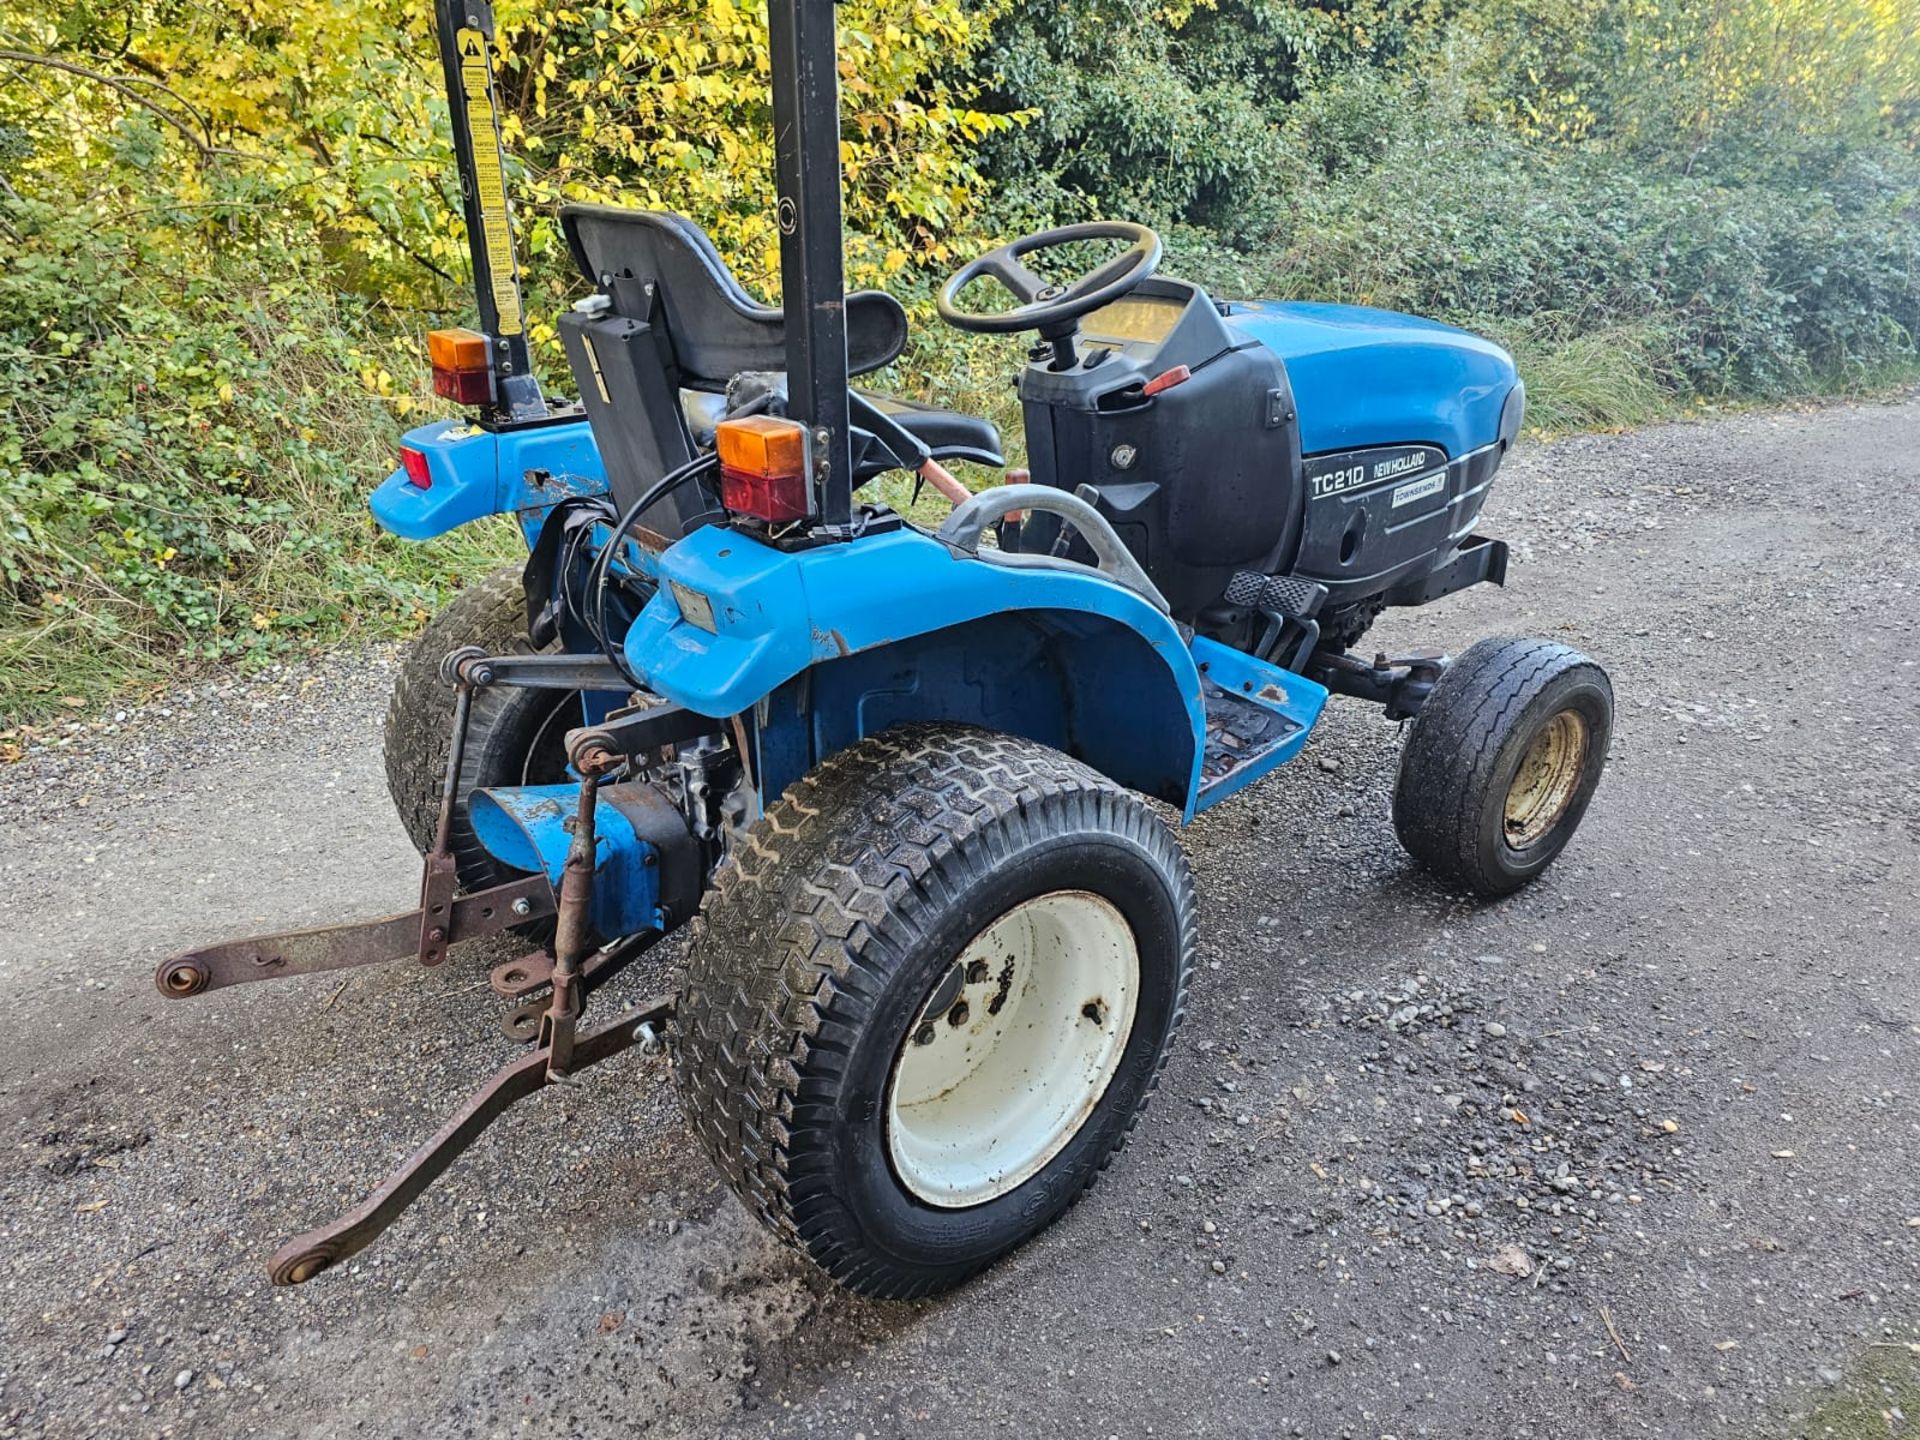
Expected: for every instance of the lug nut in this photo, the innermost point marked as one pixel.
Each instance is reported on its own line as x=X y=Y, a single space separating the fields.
x=924 y=1035
x=958 y=1014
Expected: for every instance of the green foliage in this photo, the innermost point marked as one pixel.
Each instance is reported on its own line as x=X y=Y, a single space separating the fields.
x=1733 y=84
x=1760 y=289
x=1720 y=195
x=227 y=225
x=230 y=224
x=183 y=465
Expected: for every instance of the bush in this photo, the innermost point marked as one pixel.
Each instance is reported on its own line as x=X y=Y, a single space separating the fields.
x=185 y=453
x=1754 y=290
x=228 y=225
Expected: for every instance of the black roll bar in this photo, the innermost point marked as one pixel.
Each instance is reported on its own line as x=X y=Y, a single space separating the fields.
x=806 y=113
x=464 y=29
x=806 y=142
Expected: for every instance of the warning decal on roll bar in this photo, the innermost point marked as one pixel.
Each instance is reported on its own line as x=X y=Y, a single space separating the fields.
x=490 y=186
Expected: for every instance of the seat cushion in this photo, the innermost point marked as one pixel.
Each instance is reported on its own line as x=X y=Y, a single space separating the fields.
x=949 y=434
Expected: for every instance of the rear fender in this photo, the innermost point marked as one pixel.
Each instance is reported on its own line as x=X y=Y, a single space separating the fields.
x=523 y=472
x=818 y=648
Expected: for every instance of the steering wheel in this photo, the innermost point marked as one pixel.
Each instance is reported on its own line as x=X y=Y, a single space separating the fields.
x=1052 y=309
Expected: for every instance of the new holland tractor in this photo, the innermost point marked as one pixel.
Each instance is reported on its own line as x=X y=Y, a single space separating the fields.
x=911 y=787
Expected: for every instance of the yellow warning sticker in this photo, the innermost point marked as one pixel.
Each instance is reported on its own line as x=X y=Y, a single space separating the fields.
x=490 y=185
x=593 y=363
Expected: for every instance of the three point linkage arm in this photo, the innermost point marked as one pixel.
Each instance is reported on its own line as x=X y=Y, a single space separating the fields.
x=442 y=919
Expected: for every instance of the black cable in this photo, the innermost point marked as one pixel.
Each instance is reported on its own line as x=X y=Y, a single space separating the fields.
x=603 y=562
x=573 y=564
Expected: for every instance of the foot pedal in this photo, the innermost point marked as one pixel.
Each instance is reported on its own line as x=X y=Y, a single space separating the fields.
x=1287 y=595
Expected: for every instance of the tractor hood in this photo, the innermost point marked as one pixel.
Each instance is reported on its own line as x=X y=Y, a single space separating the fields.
x=1366 y=377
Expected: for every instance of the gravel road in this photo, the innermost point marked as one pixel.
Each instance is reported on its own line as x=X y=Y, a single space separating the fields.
x=1633 y=1153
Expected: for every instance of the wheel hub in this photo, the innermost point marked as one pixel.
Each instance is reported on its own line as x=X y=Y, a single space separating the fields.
x=1013 y=1050
x=1547 y=780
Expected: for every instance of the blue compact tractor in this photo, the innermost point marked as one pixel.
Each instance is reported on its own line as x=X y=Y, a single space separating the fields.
x=907 y=777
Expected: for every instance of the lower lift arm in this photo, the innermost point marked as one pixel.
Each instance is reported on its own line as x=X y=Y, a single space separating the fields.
x=443 y=919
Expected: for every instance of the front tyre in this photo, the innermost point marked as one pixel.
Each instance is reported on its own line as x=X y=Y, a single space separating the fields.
x=932 y=991
x=1502 y=761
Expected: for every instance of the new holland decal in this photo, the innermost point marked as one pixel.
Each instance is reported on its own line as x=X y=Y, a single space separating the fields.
x=1354 y=470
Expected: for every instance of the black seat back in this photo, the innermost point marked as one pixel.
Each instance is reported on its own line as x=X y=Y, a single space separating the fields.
x=675 y=318
x=715 y=329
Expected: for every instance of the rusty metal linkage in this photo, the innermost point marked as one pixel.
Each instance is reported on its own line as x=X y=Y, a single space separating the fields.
x=336 y=947
x=306 y=1256
x=572 y=940
x=517 y=979
x=441 y=919
x=440 y=878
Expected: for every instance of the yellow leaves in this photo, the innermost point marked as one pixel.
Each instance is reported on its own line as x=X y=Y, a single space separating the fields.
x=337 y=104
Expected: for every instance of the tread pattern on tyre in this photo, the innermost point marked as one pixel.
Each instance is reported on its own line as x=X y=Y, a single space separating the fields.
x=825 y=878
x=492 y=614
x=1455 y=743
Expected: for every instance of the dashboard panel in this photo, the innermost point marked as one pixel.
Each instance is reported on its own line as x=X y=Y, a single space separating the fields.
x=1134 y=320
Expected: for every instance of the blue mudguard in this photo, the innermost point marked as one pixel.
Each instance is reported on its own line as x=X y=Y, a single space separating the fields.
x=826 y=645
x=821 y=647
x=473 y=473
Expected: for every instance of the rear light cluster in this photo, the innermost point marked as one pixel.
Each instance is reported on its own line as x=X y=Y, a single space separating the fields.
x=763 y=458
x=461 y=372
x=763 y=468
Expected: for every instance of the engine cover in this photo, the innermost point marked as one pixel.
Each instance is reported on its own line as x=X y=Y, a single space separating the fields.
x=1187 y=418
x=1378 y=516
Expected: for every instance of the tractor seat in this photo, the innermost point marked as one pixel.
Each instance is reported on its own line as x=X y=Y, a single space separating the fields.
x=949 y=434
x=647 y=258
x=654 y=363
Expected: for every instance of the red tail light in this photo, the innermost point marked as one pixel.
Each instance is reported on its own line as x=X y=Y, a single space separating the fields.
x=415 y=464
x=460 y=369
x=763 y=468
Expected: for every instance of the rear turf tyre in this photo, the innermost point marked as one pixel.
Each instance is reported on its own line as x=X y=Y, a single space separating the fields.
x=1502 y=761
x=931 y=992
x=514 y=736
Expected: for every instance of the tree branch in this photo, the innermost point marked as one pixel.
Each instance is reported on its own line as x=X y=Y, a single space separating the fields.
x=126 y=90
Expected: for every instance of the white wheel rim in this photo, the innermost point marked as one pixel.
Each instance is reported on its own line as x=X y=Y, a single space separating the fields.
x=1020 y=1056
